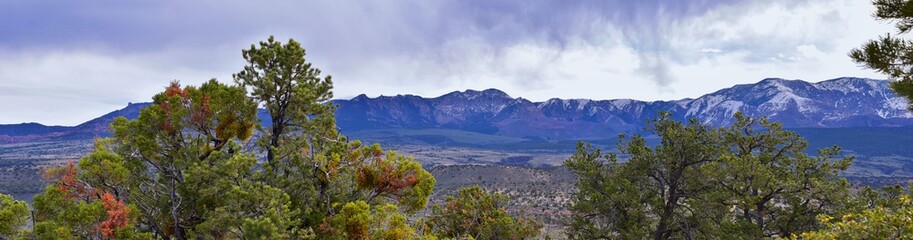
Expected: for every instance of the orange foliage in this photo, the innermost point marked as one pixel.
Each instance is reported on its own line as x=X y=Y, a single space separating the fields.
x=326 y=227
x=66 y=181
x=384 y=179
x=200 y=114
x=175 y=89
x=166 y=108
x=117 y=216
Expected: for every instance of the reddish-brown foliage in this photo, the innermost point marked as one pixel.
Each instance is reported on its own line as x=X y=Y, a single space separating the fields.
x=118 y=216
x=384 y=179
x=65 y=180
x=326 y=228
x=201 y=113
x=166 y=108
x=175 y=89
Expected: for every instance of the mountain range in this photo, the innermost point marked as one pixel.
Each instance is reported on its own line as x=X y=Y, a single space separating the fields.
x=836 y=103
x=98 y=127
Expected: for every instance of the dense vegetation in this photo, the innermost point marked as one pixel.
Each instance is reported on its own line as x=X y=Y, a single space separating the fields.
x=475 y=213
x=884 y=214
x=752 y=180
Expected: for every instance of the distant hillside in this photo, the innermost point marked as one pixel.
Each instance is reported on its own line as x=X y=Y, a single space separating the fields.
x=26 y=129
x=837 y=103
x=455 y=118
x=98 y=127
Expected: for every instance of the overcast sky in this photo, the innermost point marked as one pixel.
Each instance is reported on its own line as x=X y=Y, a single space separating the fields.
x=65 y=62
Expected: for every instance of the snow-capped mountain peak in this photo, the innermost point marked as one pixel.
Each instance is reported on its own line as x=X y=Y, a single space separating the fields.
x=835 y=103
x=842 y=102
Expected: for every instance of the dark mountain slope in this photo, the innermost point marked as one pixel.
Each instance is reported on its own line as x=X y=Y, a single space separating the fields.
x=837 y=103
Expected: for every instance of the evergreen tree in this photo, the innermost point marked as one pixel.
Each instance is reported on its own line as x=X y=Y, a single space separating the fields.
x=188 y=167
x=185 y=163
x=772 y=185
x=886 y=214
x=306 y=156
x=296 y=97
x=659 y=192
x=474 y=213
x=357 y=220
x=891 y=55
x=13 y=216
x=70 y=209
x=751 y=180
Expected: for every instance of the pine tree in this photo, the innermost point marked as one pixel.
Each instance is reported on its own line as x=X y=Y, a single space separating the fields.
x=891 y=55
x=13 y=216
x=772 y=185
x=188 y=167
x=474 y=213
x=321 y=170
x=71 y=209
x=751 y=180
x=658 y=192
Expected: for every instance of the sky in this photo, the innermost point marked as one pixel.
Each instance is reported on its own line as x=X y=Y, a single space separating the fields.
x=66 y=62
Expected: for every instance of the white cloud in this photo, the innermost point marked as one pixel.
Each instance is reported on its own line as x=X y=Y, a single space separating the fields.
x=68 y=88
x=711 y=50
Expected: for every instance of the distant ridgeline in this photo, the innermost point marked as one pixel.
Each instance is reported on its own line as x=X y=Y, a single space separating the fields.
x=828 y=109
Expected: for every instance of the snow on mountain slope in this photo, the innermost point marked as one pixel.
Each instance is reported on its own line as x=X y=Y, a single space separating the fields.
x=836 y=103
x=842 y=102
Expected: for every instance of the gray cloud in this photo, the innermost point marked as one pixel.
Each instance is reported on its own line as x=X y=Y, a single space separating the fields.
x=340 y=33
x=656 y=68
x=420 y=46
